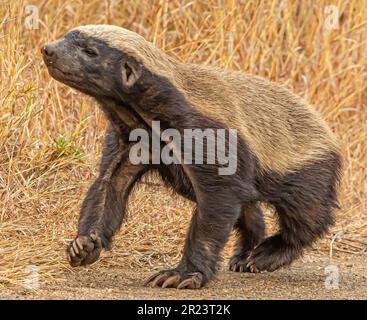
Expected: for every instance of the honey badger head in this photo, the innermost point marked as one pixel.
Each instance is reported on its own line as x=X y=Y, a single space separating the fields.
x=100 y=60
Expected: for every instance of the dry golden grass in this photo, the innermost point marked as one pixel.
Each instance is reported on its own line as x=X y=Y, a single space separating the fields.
x=50 y=135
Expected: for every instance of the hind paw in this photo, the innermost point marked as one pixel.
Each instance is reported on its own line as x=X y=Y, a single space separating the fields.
x=271 y=254
x=238 y=263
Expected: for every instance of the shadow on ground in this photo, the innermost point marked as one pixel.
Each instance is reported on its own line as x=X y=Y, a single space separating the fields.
x=346 y=279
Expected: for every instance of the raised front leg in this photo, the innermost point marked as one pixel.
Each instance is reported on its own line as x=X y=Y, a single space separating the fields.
x=104 y=206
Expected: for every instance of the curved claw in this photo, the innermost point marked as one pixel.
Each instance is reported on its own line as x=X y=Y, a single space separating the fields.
x=151 y=278
x=193 y=282
x=238 y=263
x=79 y=244
x=72 y=253
x=172 y=281
x=159 y=280
x=75 y=247
x=175 y=279
x=187 y=283
x=251 y=266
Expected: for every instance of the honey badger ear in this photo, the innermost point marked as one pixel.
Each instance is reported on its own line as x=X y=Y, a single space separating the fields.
x=131 y=71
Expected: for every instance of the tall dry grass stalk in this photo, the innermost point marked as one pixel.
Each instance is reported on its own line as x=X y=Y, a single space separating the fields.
x=50 y=135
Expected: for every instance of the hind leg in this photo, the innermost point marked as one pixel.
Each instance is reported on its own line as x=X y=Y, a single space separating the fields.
x=297 y=231
x=304 y=202
x=250 y=229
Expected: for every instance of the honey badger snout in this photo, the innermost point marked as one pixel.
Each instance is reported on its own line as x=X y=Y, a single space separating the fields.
x=62 y=63
x=49 y=52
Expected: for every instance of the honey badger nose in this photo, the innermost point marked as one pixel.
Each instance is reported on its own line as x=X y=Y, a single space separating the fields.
x=48 y=52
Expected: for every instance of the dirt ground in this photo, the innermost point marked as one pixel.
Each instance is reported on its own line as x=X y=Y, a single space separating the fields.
x=305 y=279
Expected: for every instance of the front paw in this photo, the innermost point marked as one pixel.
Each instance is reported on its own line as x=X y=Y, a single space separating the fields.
x=84 y=250
x=176 y=279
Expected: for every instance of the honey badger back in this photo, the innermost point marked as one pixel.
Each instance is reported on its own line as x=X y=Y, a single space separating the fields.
x=286 y=155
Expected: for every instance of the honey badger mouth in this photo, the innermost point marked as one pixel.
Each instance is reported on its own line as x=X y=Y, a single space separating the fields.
x=64 y=76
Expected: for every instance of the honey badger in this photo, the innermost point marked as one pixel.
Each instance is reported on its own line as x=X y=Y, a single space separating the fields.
x=286 y=155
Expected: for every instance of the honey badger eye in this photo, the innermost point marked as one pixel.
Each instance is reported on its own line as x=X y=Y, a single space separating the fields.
x=90 y=52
